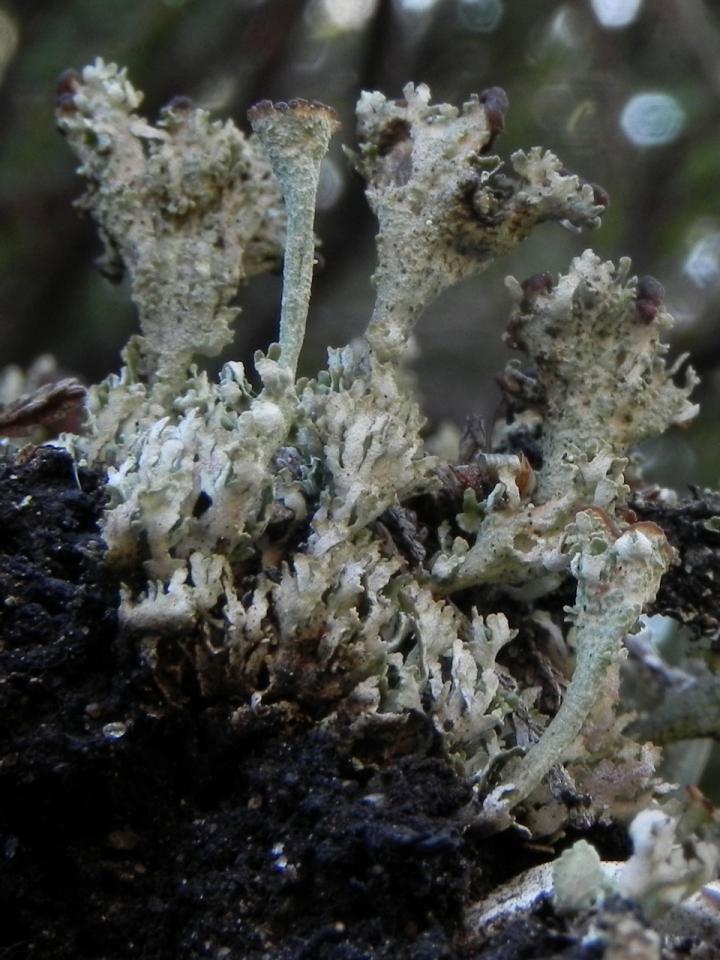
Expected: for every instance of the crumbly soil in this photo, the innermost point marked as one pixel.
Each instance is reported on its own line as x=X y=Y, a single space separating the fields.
x=688 y=591
x=135 y=827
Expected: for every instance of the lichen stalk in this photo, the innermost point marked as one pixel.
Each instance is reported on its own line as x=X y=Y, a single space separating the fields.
x=295 y=136
x=617 y=575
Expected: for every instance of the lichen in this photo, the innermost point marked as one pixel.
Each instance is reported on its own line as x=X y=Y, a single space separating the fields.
x=446 y=206
x=660 y=873
x=295 y=137
x=187 y=207
x=296 y=539
x=599 y=385
x=617 y=574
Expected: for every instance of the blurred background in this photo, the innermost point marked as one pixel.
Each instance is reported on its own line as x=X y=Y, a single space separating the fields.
x=626 y=92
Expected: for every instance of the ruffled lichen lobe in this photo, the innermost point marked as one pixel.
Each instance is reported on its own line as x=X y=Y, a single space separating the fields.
x=593 y=383
x=188 y=207
x=446 y=207
x=599 y=362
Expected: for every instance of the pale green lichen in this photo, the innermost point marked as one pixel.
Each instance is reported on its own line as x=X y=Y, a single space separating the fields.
x=578 y=879
x=255 y=526
x=660 y=873
x=617 y=575
x=599 y=386
x=188 y=207
x=296 y=137
x=599 y=363
x=667 y=875
x=445 y=208
x=663 y=871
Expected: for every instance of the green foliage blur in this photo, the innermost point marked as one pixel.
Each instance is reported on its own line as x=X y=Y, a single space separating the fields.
x=627 y=92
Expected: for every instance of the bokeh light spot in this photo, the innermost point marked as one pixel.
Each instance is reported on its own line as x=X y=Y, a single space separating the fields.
x=702 y=263
x=348 y=14
x=566 y=28
x=480 y=16
x=9 y=38
x=616 y=13
x=652 y=119
x=416 y=6
x=331 y=185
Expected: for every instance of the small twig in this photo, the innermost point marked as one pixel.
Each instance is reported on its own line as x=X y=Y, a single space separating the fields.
x=44 y=407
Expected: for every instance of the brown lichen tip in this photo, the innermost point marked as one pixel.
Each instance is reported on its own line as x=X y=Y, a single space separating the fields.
x=65 y=104
x=298 y=107
x=601 y=198
x=535 y=286
x=650 y=529
x=68 y=84
x=176 y=112
x=640 y=540
x=496 y=103
x=650 y=297
x=295 y=122
x=179 y=104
